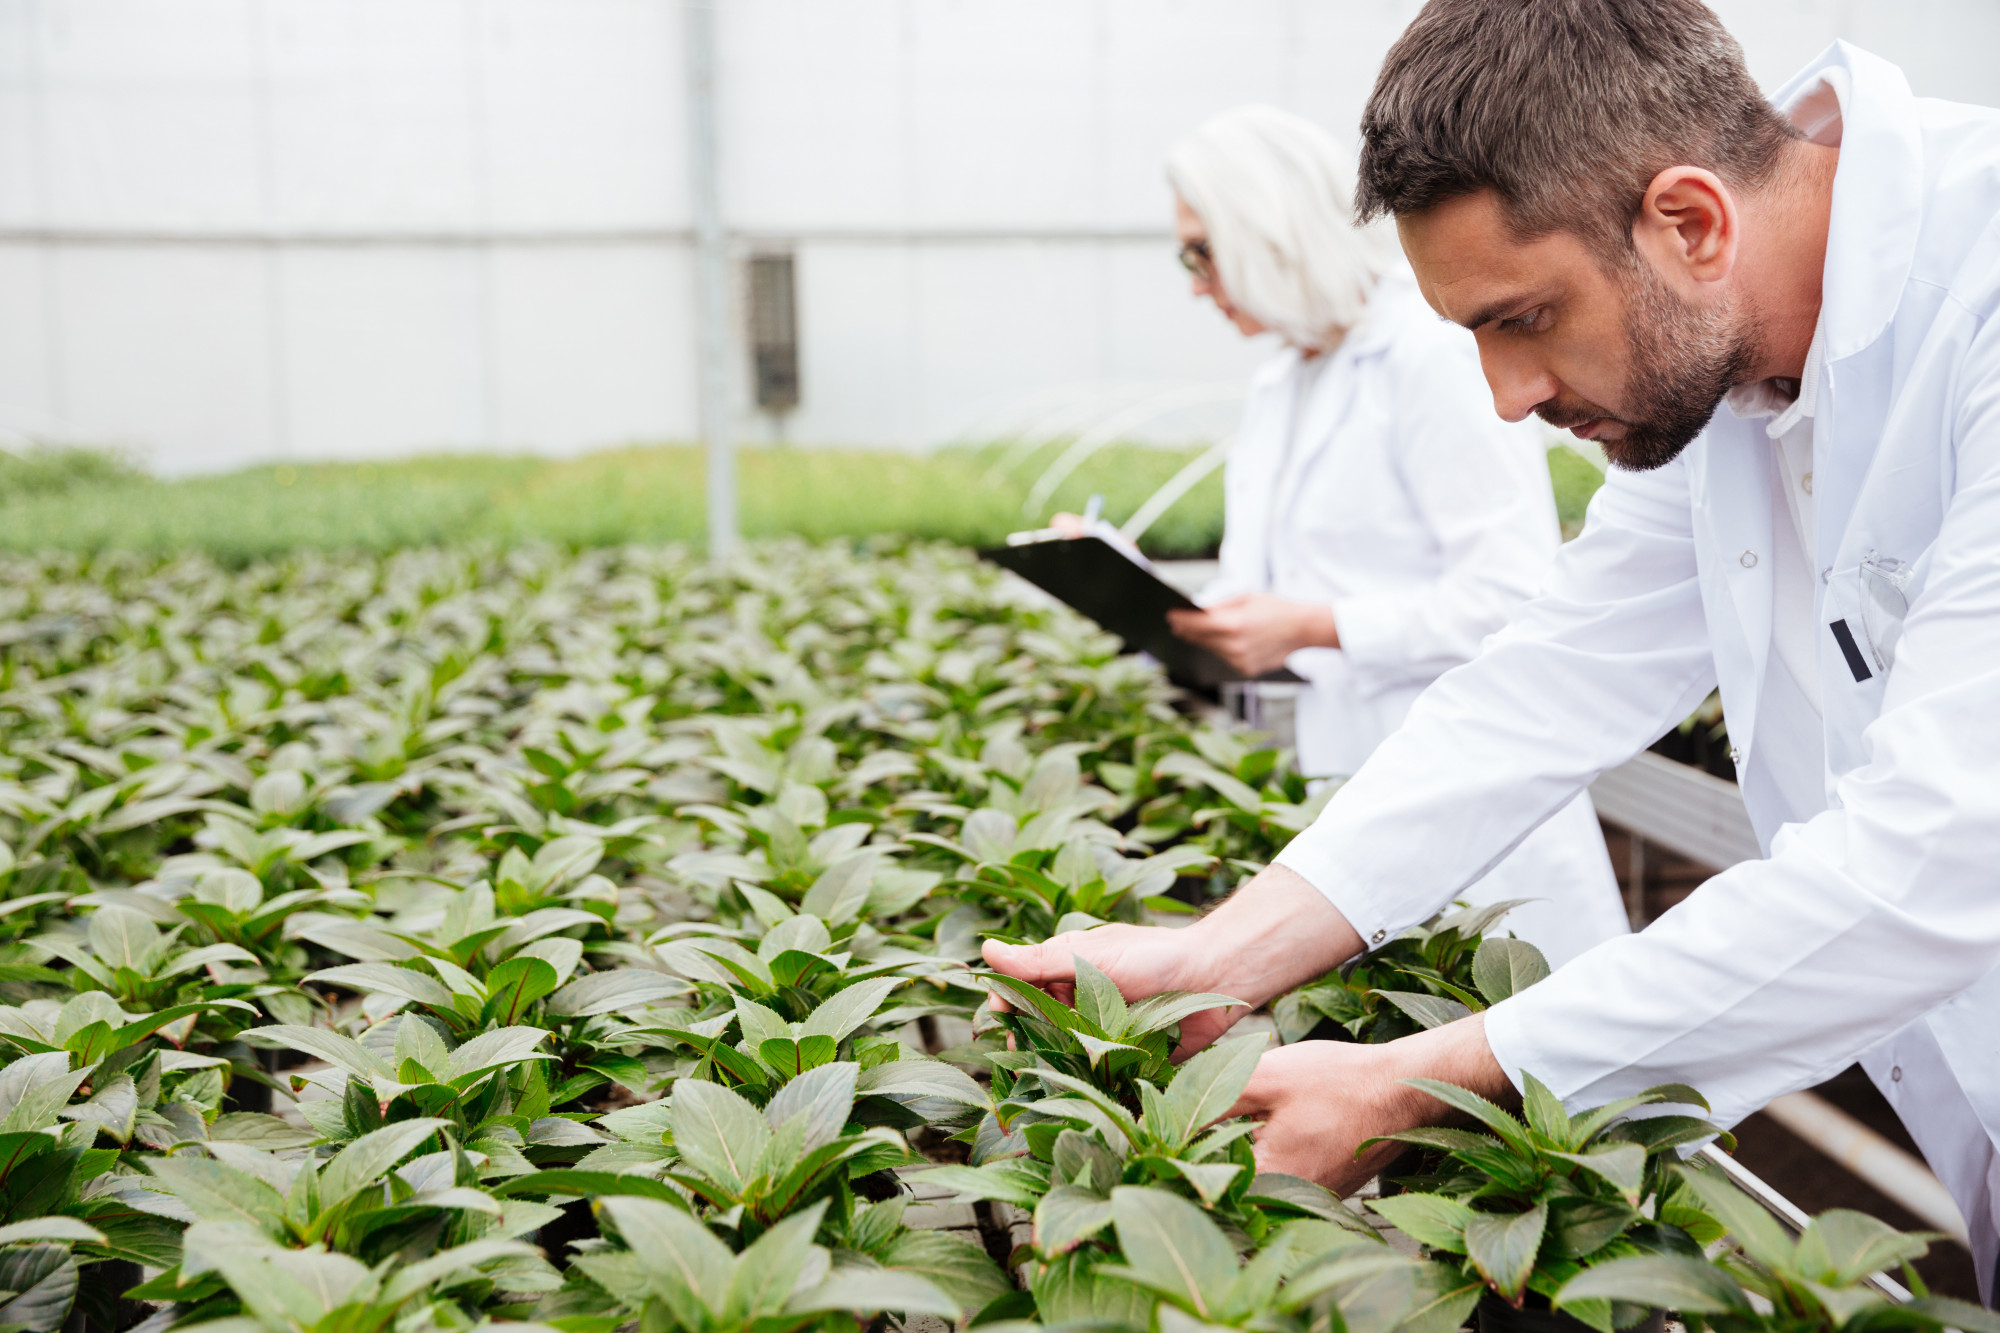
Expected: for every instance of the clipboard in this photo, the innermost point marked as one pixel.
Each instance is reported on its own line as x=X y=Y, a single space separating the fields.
x=1123 y=596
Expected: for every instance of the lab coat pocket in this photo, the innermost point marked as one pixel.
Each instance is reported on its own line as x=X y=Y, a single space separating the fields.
x=1885 y=603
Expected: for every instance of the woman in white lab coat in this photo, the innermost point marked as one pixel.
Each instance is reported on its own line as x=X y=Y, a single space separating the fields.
x=1380 y=520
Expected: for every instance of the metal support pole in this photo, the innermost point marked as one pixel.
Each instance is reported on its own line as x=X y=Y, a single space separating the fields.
x=711 y=298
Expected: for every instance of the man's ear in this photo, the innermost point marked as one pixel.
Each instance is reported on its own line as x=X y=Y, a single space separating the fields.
x=1688 y=224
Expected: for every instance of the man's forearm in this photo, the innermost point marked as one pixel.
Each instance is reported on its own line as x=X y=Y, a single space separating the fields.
x=1274 y=933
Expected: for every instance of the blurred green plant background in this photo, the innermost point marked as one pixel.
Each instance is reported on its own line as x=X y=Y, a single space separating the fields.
x=85 y=500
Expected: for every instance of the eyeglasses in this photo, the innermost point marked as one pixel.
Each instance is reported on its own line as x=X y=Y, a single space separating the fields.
x=1196 y=259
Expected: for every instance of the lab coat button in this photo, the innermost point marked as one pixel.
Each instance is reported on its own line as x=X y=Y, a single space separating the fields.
x=1376 y=938
x=1896 y=1074
x=1735 y=754
x=1749 y=559
x=1806 y=482
x=1826 y=574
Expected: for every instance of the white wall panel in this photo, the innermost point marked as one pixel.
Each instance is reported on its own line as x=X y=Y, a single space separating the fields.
x=586 y=123
x=27 y=351
x=147 y=111
x=375 y=121
x=386 y=351
x=264 y=228
x=590 y=346
x=168 y=359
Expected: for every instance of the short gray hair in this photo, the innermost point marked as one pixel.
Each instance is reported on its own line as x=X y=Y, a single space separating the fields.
x=1566 y=109
x=1276 y=193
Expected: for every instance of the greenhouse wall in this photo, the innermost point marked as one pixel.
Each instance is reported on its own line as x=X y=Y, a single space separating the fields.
x=246 y=229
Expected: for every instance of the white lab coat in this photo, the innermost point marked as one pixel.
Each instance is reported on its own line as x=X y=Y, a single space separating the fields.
x=1873 y=928
x=1423 y=520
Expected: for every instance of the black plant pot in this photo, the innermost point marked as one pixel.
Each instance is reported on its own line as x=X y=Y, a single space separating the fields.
x=1535 y=1316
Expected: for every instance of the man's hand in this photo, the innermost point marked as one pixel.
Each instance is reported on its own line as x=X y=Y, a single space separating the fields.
x=1255 y=632
x=1142 y=960
x=1274 y=933
x=1321 y=1100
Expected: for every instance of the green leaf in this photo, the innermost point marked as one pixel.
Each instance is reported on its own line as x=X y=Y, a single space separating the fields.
x=43 y=1278
x=1505 y=967
x=1545 y=1114
x=1171 y=1246
x=34 y=1088
x=1476 y=1106
x=819 y=1098
x=1068 y=1216
x=792 y=1058
x=217 y=1193
x=1428 y=1219
x=1097 y=998
x=1211 y=1180
x=1041 y=1002
x=386 y=979
x=1666 y=1281
x=1952 y=1313
x=585 y=1184
x=1428 y=1011
x=1742 y=1217
x=1621 y=1165
x=1209 y=1083
x=1070 y=1292
x=363 y=1161
x=958 y=1265
x=491 y=1050
x=1503 y=1246
x=692 y=1267
x=613 y=992
x=1841 y=1247
x=1080 y=1159
x=1005 y=1181
x=1443 y=1301
x=342 y=1052
x=1438 y=1136
x=51 y=1228
x=865 y=1291
x=848 y=1009
x=513 y=987
x=922 y=1078
x=717 y=1132
x=413 y=1278
x=766 y=1272
x=1156 y=1013
x=121 y=937
x=1274 y=1187
x=257 y=1130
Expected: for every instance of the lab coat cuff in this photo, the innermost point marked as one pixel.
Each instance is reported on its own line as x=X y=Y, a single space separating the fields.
x=1507 y=1037
x=1371 y=629
x=1304 y=857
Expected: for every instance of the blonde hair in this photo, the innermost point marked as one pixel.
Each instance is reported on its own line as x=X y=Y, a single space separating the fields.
x=1276 y=193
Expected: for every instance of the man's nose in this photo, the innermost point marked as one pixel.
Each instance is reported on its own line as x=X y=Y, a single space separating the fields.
x=1518 y=386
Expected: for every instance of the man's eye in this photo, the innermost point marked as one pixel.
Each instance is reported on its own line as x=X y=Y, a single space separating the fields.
x=1532 y=322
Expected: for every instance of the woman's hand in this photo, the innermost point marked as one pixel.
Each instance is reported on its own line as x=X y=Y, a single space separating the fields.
x=1321 y=1100
x=1255 y=632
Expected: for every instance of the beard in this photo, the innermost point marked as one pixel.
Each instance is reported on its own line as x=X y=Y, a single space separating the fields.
x=1683 y=360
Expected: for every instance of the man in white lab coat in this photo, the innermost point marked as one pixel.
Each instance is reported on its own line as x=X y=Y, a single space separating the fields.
x=1780 y=328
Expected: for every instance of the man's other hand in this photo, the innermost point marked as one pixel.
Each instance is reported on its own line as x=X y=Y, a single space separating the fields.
x=1321 y=1100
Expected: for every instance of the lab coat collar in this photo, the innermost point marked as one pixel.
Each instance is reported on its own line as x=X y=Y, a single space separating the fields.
x=1383 y=313
x=1375 y=331
x=1862 y=103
